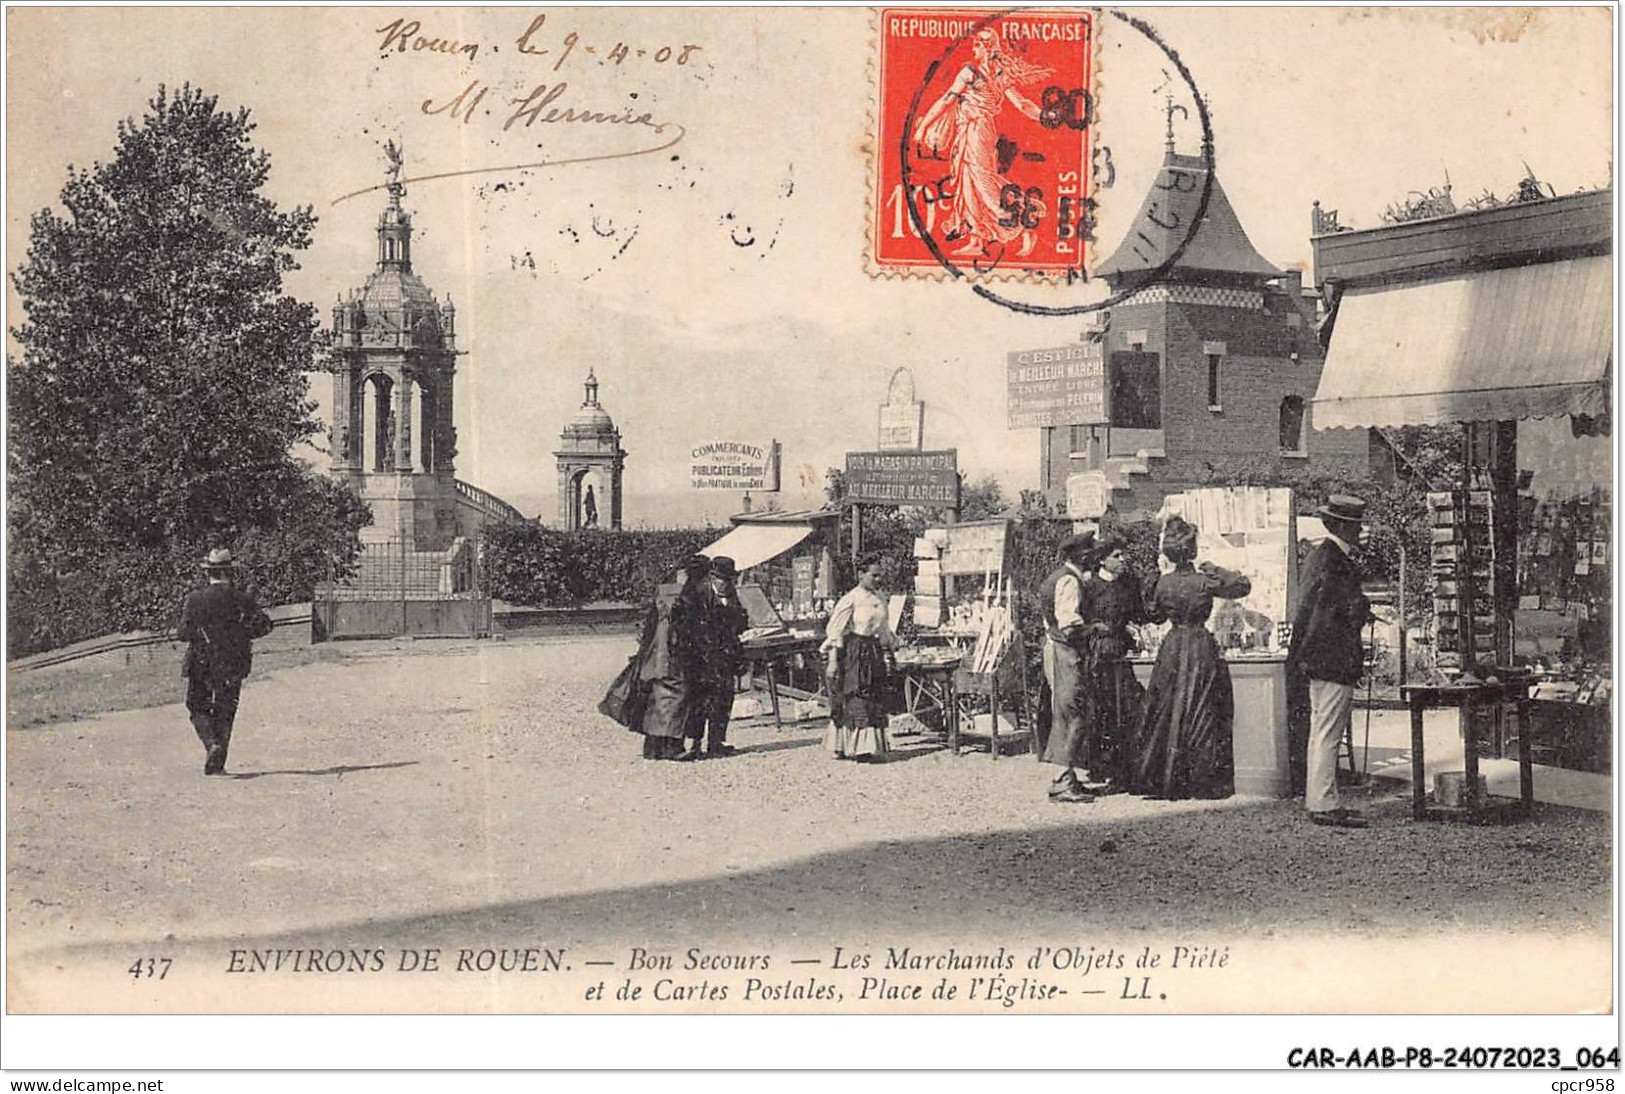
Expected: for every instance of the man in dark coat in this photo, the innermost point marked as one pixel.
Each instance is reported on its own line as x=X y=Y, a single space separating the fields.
x=724 y=619
x=1110 y=695
x=1060 y=597
x=1326 y=653
x=219 y=623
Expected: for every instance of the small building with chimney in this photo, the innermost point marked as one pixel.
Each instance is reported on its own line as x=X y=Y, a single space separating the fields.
x=1211 y=360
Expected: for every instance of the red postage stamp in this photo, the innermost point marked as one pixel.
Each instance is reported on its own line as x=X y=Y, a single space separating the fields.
x=982 y=144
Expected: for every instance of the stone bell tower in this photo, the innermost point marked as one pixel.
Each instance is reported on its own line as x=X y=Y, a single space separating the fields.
x=393 y=364
x=590 y=461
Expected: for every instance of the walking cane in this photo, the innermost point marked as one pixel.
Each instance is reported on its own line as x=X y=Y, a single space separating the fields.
x=1370 y=685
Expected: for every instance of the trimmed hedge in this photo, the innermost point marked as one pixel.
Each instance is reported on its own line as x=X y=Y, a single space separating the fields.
x=546 y=568
x=51 y=604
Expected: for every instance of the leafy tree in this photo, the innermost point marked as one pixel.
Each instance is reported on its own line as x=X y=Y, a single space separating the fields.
x=981 y=500
x=1432 y=453
x=890 y=530
x=160 y=384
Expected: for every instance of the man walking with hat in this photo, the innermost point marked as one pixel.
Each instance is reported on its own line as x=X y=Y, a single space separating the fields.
x=1060 y=597
x=1326 y=652
x=219 y=623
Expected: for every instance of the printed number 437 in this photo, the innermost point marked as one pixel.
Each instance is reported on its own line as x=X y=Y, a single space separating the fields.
x=153 y=968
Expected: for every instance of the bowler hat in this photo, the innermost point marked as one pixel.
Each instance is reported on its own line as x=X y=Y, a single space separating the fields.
x=1079 y=543
x=218 y=559
x=697 y=565
x=723 y=566
x=1343 y=507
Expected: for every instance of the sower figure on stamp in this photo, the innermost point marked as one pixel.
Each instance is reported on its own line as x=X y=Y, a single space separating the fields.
x=219 y=623
x=1061 y=597
x=964 y=124
x=724 y=620
x=1326 y=654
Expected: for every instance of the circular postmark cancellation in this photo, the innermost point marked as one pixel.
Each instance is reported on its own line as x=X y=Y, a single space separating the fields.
x=990 y=162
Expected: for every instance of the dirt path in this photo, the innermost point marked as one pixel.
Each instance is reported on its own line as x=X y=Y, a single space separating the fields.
x=471 y=797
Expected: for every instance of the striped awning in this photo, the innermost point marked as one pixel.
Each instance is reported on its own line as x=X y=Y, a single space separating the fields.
x=1523 y=342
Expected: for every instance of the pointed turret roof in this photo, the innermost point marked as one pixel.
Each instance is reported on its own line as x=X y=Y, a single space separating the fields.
x=1220 y=247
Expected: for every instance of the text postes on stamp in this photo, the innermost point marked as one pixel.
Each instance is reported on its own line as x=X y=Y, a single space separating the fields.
x=983 y=130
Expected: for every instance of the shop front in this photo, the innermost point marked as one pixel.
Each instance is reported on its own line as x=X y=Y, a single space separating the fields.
x=787 y=584
x=1493 y=320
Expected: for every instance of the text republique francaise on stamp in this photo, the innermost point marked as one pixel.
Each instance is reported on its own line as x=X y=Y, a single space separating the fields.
x=982 y=143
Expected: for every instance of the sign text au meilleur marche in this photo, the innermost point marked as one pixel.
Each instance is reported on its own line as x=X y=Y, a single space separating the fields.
x=1055 y=387
x=903 y=478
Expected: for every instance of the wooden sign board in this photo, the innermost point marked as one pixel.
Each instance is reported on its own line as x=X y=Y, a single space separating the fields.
x=1087 y=495
x=903 y=478
x=803 y=578
x=902 y=427
x=758 y=609
x=978 y=548
x=1062 y=386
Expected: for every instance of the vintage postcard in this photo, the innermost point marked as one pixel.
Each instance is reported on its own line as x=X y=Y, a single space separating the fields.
x=932 y=510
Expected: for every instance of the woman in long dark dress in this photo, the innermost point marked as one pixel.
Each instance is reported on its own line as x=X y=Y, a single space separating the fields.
x=671 y=664
x=1110 y=696
x=1184 y=743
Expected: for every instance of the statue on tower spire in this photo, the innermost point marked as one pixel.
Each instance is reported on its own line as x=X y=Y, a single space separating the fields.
x=392 y=153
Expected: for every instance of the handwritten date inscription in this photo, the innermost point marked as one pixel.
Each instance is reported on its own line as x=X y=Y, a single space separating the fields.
x=404 y=35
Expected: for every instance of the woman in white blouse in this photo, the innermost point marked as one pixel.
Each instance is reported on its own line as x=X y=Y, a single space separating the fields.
x=856 y=644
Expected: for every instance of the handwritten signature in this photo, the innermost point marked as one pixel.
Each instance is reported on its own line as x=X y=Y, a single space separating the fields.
x=674 y=131
x=543 y=103
x=537 y=106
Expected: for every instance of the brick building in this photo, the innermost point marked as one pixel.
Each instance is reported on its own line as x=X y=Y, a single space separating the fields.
x=1211 y=361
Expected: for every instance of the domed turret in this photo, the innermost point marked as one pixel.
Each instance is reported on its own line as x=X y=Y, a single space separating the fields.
x=590 y=461
x=592 y=419
x=392 y=435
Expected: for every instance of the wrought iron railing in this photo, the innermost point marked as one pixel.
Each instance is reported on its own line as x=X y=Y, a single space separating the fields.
x=395 y=570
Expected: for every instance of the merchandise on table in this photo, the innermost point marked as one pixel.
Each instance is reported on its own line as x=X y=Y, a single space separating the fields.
x=1253 y=531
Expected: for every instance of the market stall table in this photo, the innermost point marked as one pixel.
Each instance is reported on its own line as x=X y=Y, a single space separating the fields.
x=1466 y=697
x=771 y=651
x=929 y=685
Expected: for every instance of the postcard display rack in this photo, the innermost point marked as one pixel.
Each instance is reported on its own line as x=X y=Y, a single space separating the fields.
x=1564 y=591
x=1470 y=633
x=1252 y=530
x=965 y=665
x=1463 y=532
x=1473 y=635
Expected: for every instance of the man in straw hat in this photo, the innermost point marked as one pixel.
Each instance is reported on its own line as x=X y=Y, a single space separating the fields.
x=1326 y=651
x=219 y=622
x=1060 y=597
